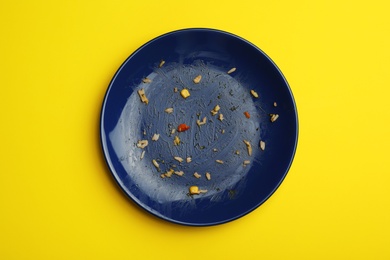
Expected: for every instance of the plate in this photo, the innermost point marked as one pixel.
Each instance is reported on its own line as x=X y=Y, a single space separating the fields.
x=242 y=121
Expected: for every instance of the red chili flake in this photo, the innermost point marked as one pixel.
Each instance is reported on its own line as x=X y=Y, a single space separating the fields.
x=182 y=128
x=247 y=115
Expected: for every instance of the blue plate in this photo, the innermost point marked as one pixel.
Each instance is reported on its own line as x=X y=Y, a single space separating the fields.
x=241 y=101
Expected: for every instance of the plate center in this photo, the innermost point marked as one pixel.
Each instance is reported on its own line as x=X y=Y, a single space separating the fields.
x=215 y=143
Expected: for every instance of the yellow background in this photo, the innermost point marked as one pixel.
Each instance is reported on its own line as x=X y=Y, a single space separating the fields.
x=58 y=199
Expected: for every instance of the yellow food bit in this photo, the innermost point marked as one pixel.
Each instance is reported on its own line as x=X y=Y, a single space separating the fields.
x=179 y=173
x=215 y=110
x=176 y=141
x=142 y=144
x=220 y=117
x=208 y=176
x=197 y=79
x=185 y=93
x=254 y=93
x=179 y=159
x=248 y=147
x=161 y=63
x=195 y=190
x=142 y=96
x=146 y=80
x=231 y=70
x=167 y=174
x=273 y=117
x=155 y=163
x=199 y=123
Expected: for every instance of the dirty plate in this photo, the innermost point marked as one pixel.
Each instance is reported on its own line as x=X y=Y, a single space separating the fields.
x=241 y=119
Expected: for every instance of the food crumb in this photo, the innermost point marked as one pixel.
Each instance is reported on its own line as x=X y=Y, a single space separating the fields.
x=146 y=80
x=246 y=162
x=254 y=93
x=155 y=137
x=179 y=173
x=197 y=79
x=176 y=140
x=142 y=96
x=185 y=93
x=162 y=62
x=275 y=104
x=262 y=145
x=274 y=117
x=167 y=174
x=179 y=159
x=175 y=90
x=220 y=117
x=231 y=70
x=142 y=143
x=197 y=175
x=237 y=152
x=155 y=163
x=208 y=176
x=169 y=110
x=199 y=123
x=248 y=147
x=183 y=127
x=194 y=190
x=142 y=154
x=219 y=161
x=215 y=110
x=215 y=150
x=247 y=115
x=188 y=159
